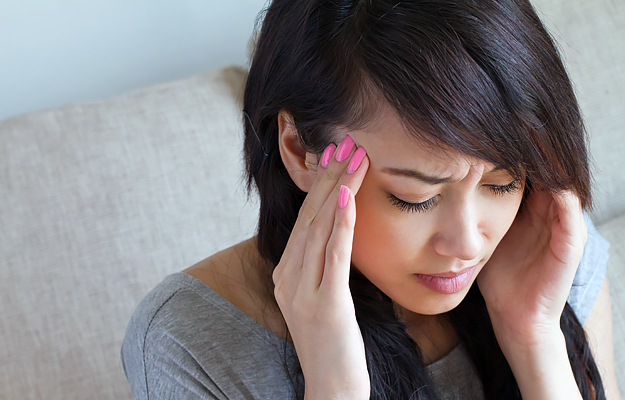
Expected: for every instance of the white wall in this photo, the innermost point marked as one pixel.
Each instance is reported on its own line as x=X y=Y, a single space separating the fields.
x=54 y=52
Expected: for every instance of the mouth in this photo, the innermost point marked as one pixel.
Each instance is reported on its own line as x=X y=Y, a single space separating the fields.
x=452 y=274
x=448 y=282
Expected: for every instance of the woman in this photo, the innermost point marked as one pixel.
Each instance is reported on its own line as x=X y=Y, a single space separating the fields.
x=422 y=172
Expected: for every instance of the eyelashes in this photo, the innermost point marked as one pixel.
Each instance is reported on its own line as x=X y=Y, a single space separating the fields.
x=497 y=190
x=413 y=207
x=511 y=187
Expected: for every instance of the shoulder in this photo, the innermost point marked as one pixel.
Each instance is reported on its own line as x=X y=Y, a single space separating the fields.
x=152 y=340
x=184 y=338
x=178 y=306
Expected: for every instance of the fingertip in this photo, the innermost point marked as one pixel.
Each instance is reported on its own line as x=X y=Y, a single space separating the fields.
x=356 y=160
x=568 y=200
x=344 y=194
x=327 y=155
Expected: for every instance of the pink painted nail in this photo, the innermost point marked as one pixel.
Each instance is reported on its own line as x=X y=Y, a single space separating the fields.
x=343 y=196
x=345 y=149
x=354 y=163
x=327 y=154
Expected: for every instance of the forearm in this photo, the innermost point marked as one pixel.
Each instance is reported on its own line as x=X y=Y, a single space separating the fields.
x=542 y=369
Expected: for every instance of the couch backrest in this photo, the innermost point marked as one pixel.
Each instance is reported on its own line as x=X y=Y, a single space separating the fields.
x=100 y=201
x=591 y=36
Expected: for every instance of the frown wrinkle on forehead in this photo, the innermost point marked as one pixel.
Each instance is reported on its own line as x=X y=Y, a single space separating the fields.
x=432 y=179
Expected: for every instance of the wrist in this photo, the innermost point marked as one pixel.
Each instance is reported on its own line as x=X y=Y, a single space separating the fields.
x=317 y=393
x=541 y=366
x=535 y=348
x=531 y=337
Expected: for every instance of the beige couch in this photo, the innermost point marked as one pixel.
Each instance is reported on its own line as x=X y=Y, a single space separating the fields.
x=100 y=201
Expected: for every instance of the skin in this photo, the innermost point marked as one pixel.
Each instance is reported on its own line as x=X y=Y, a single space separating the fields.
x=536 y=262
x=530 y=255
x=460 y=231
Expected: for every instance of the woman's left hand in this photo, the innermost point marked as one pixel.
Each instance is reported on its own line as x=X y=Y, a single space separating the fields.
x=528 y=278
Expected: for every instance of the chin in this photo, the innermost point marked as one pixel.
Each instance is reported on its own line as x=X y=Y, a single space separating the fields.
x=433 y=303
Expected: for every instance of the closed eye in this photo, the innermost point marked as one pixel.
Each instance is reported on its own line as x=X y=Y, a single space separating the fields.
x=501 y=190
x=413 y=207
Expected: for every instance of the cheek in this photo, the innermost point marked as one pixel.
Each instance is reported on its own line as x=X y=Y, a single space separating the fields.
x=500 y=214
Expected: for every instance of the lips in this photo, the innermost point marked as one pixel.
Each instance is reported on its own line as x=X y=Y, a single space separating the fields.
x=448 y=282
x=451 y=274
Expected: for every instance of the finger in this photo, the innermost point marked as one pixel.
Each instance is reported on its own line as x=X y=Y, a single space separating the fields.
x=537 y=205
x=325 y=181
x=570 y=218
x=339 y=249
x=322 y=186
x=327 y=177
x=287 y=274
x=566 y=242
x=322 y=228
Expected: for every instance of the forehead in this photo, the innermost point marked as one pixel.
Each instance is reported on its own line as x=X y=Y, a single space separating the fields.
x=389 y=144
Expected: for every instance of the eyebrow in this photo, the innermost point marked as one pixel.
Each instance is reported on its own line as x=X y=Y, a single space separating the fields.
x=432 y=180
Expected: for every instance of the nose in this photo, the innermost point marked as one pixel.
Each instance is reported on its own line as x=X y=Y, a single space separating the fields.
x=459 y=233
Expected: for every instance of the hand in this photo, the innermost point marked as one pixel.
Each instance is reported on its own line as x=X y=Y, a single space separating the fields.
x=312 y=281
x=528 y=278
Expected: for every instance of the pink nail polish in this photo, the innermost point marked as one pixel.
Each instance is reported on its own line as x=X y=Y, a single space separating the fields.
x=345 y=149
x=354 y=163
x=327 y=154
x=343 y=196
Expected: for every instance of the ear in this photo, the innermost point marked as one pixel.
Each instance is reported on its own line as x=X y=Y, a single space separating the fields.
x=300 y=165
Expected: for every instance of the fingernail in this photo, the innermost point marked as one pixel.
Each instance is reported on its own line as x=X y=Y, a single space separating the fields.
x=345 y=148
x=327 y=154
x=343 y=196
x=354 y=163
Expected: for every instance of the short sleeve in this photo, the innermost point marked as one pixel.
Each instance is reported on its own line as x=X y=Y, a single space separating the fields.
x=157 y=365
x=590 y=273
x=171 y=372
x=185 y=341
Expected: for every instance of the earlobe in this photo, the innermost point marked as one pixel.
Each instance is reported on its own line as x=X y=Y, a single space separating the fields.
x=293 y=154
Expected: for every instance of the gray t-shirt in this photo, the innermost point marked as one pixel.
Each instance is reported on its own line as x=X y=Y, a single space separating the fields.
x=185 y=341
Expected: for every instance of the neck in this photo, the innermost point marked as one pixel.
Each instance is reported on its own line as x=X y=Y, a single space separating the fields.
x=432 y=333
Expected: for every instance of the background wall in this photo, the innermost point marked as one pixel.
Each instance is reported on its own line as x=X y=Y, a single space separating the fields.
x=54 y=52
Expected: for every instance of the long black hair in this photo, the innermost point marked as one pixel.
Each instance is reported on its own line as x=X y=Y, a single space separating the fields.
x=480 y=76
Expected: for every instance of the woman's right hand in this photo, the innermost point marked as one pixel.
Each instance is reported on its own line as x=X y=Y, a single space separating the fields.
x=312 y=280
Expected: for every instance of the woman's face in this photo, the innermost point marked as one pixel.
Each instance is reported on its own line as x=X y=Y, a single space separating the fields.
x=426 y=220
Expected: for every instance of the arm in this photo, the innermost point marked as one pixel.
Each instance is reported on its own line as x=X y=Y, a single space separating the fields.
x=599 y=330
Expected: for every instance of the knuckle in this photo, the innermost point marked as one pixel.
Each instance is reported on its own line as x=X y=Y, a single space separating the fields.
x=307 y=214
x=304 y=203
x=342 y=223
x=279 y=293
x=318 y=230
x=335 y=254
x=331 y=174
x=275 y=276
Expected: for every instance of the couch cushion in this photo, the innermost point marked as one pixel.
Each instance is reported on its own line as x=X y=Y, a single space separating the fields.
x=100 y=201
x=614 y=231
